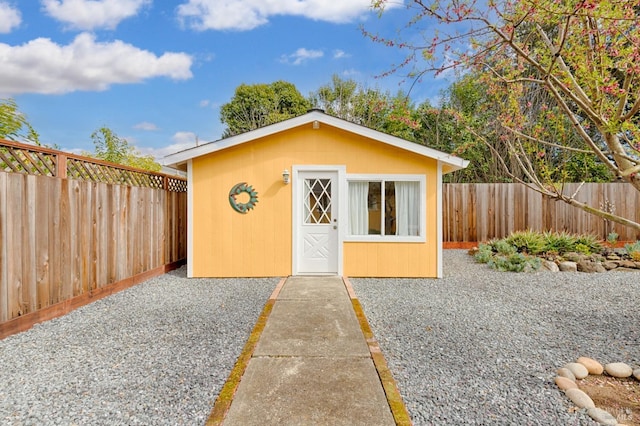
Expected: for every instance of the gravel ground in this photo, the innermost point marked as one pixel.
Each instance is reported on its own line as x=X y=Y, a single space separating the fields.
x=155 y=354
x=480 y=347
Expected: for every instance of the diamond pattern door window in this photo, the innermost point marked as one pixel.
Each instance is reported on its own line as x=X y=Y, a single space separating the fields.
x=317 y=201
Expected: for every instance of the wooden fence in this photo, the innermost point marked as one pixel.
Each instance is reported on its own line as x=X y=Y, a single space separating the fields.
x=73 y=229
x=482 y=211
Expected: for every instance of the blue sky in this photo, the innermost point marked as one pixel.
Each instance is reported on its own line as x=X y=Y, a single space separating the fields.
x=156 y=71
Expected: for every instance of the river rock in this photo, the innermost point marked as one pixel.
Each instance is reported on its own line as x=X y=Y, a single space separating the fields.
x=627 y=264
x=609 y=265
x=568 y=266
x=618 y=369
x=636 y=373
x=566 y=373
x=578 y=370
x=550 y=266
x=601 y=416
x=593 y=366
x=579 y=398
x=587 y=266
x=564 y=383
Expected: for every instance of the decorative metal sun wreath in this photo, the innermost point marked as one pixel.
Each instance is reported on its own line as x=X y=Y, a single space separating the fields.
x=239 y=189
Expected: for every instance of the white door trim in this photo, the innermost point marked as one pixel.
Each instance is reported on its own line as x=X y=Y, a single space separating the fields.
x=297 y=213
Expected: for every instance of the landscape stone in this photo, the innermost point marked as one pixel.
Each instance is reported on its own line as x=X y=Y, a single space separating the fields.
x=579 y=398
x=566 y=373
x=600 y=268
x=564 y=383
x=550 y=266
x=637 y=265
x=601 y=416
x=627 y=264
x=593 y=366
x=578 y=370
x=618 y=369
x=609 y=265
x=586 y=266
x=568 y=266
x=636 y=373
x=613 y=256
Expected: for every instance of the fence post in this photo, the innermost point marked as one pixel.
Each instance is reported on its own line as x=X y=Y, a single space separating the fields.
x=61 y=166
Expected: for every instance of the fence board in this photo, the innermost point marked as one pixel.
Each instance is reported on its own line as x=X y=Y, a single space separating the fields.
x=41 y=245
x=4 y=283
x=15 y=187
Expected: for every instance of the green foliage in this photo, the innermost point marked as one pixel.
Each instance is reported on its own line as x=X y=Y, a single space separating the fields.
x=484 y=254
x=559 y=242
x=633 y=250
x=527 y=241
x=589 y=243
x=369 y=107
x=612 y=238
x=504 y=248
x=14 y=124
x=258 y=105
x=110 y=147
x=516 y=262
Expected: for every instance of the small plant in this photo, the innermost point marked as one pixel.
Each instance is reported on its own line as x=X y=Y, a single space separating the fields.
x=582 y=248
x=612 y=238
x=484 y=254
x=516 y=262
x=559 y=242
x=504 y=248
x=530 y=242
x=590 y=241
x=633 y=250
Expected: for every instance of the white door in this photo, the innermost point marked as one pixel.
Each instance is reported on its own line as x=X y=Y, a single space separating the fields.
x=317 y=224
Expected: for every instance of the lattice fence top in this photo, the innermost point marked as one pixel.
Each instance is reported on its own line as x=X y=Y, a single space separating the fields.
x=34 y=160
x=26 y=160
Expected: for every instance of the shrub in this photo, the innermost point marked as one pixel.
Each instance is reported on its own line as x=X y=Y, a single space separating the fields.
x=633 y=250
x=590 y=241
x=504 y=248
x=612 y=238
x=559 y=242
x=484 y=254
x=527 y=241
x=516 y=262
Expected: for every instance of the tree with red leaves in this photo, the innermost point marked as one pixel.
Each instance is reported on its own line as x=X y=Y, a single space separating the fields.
x=563 y=75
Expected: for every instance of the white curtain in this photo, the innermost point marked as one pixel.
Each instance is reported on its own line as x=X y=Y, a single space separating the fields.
x=358 y=208
x=407 y=208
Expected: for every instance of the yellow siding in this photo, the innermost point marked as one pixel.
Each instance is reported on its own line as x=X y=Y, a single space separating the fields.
x=227 y=243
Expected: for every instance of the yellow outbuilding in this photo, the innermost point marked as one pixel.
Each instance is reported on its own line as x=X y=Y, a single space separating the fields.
x=314 y=195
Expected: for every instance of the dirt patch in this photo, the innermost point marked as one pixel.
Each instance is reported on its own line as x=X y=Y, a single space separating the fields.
x=620 y=397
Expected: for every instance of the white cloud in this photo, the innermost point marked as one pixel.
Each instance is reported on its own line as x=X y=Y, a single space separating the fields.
x=93 y=14
x=204 y=103
x=301 y=55
x=42 y=66
x=10 y=18
x=340 y=54
x=181 y=141
x=145 y=125
x=351 y=72
x=248 y=14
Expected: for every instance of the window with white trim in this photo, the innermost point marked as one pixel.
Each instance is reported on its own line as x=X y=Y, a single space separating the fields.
x=386 y=208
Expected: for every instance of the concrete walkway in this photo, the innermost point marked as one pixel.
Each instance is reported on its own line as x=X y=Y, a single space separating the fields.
x=311 y=365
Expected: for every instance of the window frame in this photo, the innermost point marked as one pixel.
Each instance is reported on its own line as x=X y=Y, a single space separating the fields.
x=382 y=178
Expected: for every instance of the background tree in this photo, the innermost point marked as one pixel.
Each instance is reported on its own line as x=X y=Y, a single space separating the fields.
x=579 y=58
x=110 y=147
x=14 y=124
x=257 y=105
x=346 y=99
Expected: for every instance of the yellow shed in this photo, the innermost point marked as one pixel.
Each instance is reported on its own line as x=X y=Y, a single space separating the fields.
x=314 y=195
